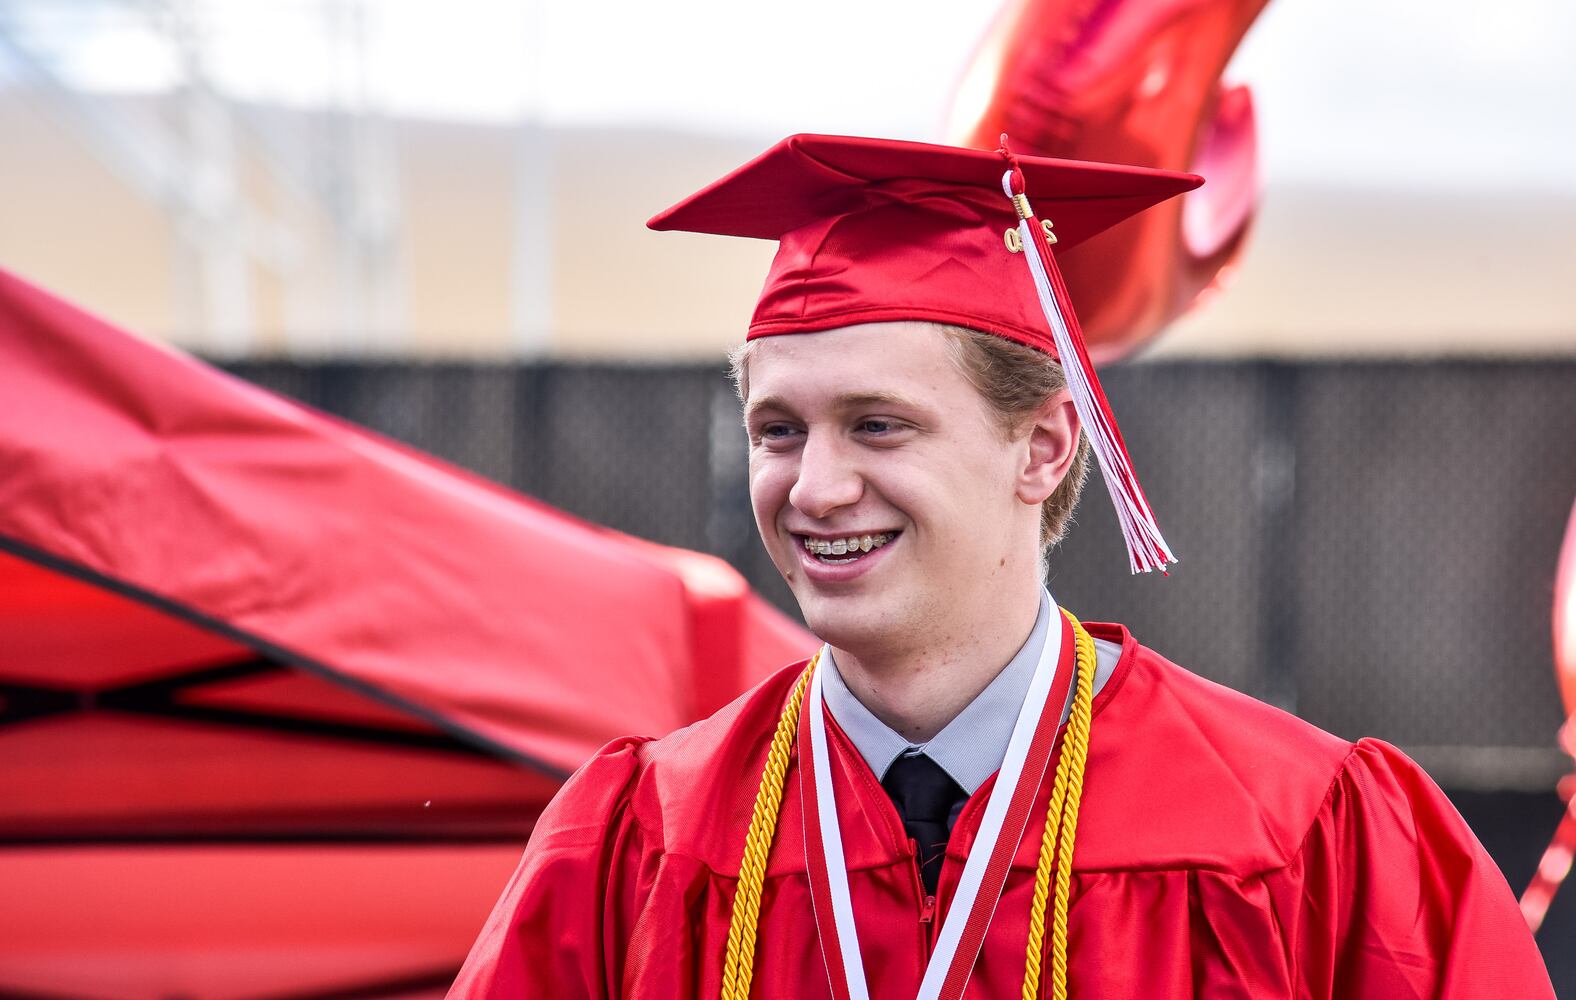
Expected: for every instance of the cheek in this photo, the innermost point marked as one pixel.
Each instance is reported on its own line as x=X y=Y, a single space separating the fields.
x=770 y=480
x=967 y=499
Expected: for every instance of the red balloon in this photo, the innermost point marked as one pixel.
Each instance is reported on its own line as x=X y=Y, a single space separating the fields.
x=1129 y=81
x=1565 y=622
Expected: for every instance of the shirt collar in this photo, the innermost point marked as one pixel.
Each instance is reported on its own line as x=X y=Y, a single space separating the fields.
x=971 y=747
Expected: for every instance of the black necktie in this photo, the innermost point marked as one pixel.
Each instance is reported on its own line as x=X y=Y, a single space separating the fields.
x=926 y=798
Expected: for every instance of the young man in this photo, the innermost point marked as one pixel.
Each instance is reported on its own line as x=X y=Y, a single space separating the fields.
x=907 y=815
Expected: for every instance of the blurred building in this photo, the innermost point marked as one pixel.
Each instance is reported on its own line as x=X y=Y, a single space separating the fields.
x=495 y=241
x=239 y=226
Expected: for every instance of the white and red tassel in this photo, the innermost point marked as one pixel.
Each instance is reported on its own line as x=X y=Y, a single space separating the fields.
x=1146 y=548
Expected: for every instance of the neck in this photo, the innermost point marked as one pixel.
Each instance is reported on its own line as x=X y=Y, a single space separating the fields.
x=917 y=692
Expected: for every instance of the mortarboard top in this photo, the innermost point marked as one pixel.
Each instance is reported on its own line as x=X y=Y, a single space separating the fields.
x=879 y=230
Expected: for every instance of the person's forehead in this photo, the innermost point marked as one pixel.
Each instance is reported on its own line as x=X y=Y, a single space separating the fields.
x=869 y=363
x=877 y=345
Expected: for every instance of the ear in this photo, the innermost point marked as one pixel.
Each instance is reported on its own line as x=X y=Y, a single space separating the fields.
x=1052 y=439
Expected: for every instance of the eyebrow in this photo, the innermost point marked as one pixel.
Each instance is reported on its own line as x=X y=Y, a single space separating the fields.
x=845 y=401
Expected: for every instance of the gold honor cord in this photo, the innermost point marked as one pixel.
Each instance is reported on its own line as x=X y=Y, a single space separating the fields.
x=1061 y=824
x=739 y=968
x=1066 y=791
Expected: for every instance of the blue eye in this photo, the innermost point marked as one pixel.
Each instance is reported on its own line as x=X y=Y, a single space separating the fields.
x=875 y=426
x=772 y=434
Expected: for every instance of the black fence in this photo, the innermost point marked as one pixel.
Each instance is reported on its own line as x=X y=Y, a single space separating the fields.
x=1371 y=545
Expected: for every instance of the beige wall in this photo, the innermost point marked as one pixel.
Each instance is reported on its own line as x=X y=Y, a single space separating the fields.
x=622 y=289
x=70 y=224
x=1327 y=271
x=457 y=197
x=1367 y=273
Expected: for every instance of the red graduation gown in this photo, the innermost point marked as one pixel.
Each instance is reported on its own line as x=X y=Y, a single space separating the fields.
x=1225 y=849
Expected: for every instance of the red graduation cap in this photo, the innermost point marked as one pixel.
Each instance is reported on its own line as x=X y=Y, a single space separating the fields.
x=878 y=230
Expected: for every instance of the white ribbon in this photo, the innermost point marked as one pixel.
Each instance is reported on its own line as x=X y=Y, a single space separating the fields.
x=965 y=900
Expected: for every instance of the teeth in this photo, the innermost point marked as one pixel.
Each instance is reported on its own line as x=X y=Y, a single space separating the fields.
x=846 y=546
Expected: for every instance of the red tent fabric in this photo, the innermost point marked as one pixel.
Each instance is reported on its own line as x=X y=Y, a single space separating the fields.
x=280 y=699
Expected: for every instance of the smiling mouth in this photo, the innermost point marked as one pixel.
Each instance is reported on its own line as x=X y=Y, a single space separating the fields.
x=845 y=550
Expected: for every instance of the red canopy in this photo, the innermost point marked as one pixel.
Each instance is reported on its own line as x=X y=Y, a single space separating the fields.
x=280 y=699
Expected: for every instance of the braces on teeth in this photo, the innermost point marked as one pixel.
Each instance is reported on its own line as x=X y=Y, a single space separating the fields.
x=845 y=546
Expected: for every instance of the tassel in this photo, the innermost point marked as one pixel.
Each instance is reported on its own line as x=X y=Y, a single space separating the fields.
x=1146 y=548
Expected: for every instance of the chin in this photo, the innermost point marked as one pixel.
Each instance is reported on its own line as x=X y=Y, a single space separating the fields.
x=852 y=623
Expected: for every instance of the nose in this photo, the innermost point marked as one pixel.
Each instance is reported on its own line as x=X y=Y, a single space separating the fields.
x=828 y=477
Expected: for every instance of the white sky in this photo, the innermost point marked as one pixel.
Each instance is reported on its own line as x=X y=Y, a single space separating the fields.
x=1446 y=94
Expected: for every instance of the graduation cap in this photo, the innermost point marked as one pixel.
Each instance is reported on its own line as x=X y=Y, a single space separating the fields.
x=879 y=230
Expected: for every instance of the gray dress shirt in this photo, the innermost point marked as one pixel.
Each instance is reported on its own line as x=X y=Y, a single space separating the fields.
x=972 y=746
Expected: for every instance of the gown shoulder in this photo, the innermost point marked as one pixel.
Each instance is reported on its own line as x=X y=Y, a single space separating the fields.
x=1300 y=863
x=1391 y=894
x=642 y=825
x=1185 y=773
x=692 y=792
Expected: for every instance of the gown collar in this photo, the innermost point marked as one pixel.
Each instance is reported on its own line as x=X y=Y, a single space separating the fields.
x=971 y=747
